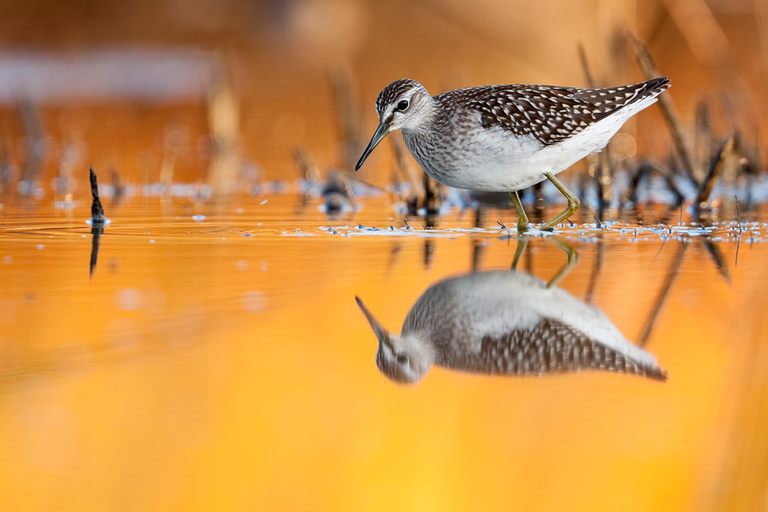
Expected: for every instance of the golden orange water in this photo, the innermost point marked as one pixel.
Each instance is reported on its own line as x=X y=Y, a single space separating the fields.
x=220 y=363
x=216 y=359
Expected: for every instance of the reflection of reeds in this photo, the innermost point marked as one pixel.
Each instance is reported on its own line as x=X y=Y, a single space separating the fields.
x=671 y=275
x=718 y=259
x=661 y=297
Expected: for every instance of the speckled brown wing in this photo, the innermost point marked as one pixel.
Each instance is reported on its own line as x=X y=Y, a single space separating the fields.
x=550 y=347
x=551 y=114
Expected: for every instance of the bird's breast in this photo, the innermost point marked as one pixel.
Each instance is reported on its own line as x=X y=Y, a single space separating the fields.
x=463 y=154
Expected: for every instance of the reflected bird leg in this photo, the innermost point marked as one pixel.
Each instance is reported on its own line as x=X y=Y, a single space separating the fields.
x=522 y=217
x=522 y=244
x=573 y=203
x=573 y=259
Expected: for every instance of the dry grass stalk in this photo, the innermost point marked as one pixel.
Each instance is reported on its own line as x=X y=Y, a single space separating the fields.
x=224 y=127
x=667 y=107
x=761 y=18
x=432 y=196
x=6 y=168
x=698 y=25
x=34 y=145
x=715 y=169
x=307 y=168
x=348 y=116
x=97 y=221
x=405 y=170
x=97 y=210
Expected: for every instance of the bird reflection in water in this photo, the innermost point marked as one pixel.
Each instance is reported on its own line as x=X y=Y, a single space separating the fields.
x=506 y=323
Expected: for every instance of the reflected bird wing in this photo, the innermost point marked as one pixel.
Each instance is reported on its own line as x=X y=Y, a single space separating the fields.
x=549 y=347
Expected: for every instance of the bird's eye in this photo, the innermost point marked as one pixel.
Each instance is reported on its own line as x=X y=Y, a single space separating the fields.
x=402 y=105
x=402 y=358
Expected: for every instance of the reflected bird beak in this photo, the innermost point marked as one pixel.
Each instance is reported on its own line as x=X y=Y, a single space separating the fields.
x=379 y=134
x=381 y=333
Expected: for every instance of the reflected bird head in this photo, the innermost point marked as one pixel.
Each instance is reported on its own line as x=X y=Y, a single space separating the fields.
x=401 y=358
x=402 y=104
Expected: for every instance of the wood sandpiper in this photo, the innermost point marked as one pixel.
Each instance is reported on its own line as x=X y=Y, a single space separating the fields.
x=504 y=138
x=505 y=323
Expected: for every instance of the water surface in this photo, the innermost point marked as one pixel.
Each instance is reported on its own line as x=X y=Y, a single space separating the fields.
x=216 y=359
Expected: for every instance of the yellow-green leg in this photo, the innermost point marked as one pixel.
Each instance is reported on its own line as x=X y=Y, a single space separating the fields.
x=573 y=203
x=522 y=217
x=573 y=259
x=522 y=243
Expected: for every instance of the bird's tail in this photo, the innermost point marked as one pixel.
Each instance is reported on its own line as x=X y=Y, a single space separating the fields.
x=655 y=86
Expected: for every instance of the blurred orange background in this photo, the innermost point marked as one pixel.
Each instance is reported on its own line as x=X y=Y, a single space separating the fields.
x=291 y=69
x=201 y=369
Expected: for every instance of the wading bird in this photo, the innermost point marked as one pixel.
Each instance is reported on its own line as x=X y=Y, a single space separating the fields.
x=504 y=138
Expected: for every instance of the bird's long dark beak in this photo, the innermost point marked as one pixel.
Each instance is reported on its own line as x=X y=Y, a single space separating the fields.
x=379 y=134
x=381 y=333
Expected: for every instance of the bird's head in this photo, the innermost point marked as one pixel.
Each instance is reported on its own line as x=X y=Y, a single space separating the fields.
x=404 y=359
x=402 y=104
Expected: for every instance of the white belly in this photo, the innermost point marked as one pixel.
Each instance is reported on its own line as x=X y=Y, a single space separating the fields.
x=495 y=160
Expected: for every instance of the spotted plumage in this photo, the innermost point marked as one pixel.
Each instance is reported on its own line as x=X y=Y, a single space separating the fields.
x=549 y=113
x=505 y=323
x=548 y=347
x=504 y=138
